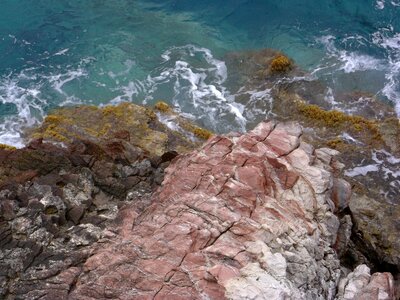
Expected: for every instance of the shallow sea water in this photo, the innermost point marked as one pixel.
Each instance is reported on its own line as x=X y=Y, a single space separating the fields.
x=67 y=52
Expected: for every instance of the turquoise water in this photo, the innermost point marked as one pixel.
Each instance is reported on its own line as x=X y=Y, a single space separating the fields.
x=56 y=53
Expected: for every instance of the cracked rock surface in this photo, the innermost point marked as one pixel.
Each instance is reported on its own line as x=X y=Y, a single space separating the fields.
x=250 y=216
x=244 y=217
x=57 y=200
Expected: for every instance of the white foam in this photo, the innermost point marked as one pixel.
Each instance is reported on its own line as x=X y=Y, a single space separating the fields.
x=387 y=157
x=28 y=104
x=61 y=52
x=129 y=92
x=129 y=64
x=196 y=79
x=349 y=138
x=353 y=62
x=380 y=4
x=259 y=104
x=165 y=56
x=393 y=173
x=60 y=79
x=24 y=90
x=330 y=98
x=387 y=39
x=356 y=61
x=362 y=170
x=385 y=165
x=237 y=110
x=348 y=62
x=169 y=121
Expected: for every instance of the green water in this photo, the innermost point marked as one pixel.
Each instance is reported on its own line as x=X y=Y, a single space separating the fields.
x=56 y=53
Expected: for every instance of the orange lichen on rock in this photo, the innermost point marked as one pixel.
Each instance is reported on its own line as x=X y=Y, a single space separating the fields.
x=339 y=120
x=7 y=147
x=162 y=106
x=201 y=133
x=280 y=64
x=104 y=124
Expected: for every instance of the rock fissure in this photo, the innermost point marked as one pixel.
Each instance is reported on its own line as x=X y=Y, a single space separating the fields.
x=241 y=217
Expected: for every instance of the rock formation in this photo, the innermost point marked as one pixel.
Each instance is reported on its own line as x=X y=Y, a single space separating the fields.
x=364 y=129
x=261 y=215
x=56 y=200
x=243 y=217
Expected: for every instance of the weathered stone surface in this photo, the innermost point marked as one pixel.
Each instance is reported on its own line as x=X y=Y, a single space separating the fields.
x=116 y=129
x=238 y=219
x=378 y=224
x=244 y=217
x=368 y=141
x=360 y=285
x=55 y=202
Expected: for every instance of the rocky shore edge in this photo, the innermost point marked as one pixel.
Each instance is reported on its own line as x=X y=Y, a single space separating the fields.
x=133 y=202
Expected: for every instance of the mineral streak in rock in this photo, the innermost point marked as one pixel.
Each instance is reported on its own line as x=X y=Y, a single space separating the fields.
x=244 y=217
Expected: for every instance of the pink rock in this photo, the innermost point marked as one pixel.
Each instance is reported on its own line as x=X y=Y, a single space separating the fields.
x=223 y=273
x=262 y=130
x=360 y=285
x=233 y=218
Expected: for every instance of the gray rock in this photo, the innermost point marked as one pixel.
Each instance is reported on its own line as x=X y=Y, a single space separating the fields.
x=360 y=285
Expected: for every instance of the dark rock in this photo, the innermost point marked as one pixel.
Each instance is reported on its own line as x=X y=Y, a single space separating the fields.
x=130 y=182
x=378 y=224
x=144 y=168
x=101 y=200
x=55 y=202
x=343 y=236
x=35 y=205
x=7 y=209
x=76 y=213
x=111 y=186
x=129 y=171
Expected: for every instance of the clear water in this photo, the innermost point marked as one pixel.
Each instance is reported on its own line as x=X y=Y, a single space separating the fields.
x=55 y=53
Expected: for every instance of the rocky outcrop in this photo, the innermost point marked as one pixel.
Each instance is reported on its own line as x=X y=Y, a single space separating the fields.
x=364 y=129
x=244 y=217
x=127 y=124
x=261 y=215
x=56 y=200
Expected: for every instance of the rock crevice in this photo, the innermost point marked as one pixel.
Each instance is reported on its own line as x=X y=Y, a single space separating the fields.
x=244 y=217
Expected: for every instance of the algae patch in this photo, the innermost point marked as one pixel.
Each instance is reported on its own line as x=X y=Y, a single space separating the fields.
x=280 y=64
x=162 y=107
x=7 y=147
x=136 y=124
x=339 y=121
